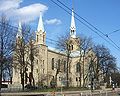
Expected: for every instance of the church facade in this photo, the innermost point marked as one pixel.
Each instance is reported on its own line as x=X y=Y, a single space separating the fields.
x=49 y=60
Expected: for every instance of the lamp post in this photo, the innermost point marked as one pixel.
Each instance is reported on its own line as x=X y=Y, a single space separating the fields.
x=91 y=70
x=110 y=79
x=92 y=81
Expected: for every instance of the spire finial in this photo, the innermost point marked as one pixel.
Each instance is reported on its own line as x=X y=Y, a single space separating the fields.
x=40 y=23
x=72 y=5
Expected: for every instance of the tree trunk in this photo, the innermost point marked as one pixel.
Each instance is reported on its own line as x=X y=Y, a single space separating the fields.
x=0 y=78
x=1 y=75
x=33 y=81
x=80 y=78
x=22 y=79
x=1 y=62
x=83 y=74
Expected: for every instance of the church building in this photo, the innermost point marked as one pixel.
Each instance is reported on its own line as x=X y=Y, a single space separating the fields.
x=49 y=60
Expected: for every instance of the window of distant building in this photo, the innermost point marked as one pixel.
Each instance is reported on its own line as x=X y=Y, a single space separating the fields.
x=78 y=67
x=52 y=63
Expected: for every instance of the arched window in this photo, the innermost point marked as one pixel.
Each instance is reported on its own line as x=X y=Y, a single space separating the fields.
x=52 y=63
x=72 y=31
x=78 y=67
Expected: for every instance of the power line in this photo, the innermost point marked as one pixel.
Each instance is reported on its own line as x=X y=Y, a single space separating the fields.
x=9 y=25
x=48 y=40
x=87 y=21
x=113 y=32
x=106 y=35
x=97 y=30
x=80 y=22
x=52 y=40
x=79 y=16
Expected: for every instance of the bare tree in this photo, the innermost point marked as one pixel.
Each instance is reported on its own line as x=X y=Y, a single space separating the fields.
x=85 y=46
x=105 y=62
x=7 y=37
x=32 y=52
x=64 y=44
x=20 y=54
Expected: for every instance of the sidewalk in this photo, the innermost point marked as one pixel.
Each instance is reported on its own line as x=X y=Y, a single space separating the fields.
x=65 y=92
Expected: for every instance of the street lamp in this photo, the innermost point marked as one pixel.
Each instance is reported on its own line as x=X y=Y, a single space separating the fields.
x=91 y=70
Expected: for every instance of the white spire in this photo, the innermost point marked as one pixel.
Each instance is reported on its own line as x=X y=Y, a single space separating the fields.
x=19 y=34
x=72 y=27
x=40 y=24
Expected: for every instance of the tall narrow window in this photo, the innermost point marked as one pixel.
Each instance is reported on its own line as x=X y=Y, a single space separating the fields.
x=37 y=38
x=69 y=68
x=76 y=79
x=78 y=67
x=37 y=61
x=43 y=63
x=72 y=47
x=59 y=64
x=52 y=63
x=36 y=70
x=43 y=70
x=43 y=38
x=65 y=66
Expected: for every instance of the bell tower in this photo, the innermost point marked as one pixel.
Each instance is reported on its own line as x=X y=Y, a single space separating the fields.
x=74 y=41
x=40 y=34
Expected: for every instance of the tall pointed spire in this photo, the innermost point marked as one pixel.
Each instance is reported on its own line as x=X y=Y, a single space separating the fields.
x=19 y=34
x=73 y=27
x=40 y=24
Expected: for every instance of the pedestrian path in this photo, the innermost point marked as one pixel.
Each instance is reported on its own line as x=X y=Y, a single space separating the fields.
x=66 y=93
